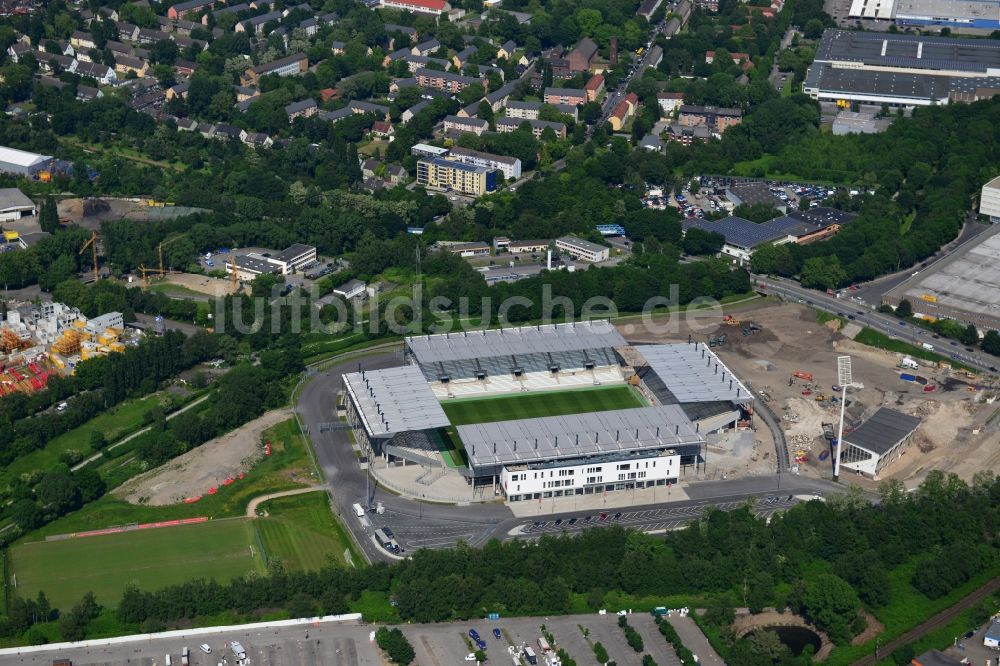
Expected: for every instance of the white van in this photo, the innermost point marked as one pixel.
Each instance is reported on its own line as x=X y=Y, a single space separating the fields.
x=359 y=510
x=62 y=407
x=206 y=648
x=166 y=661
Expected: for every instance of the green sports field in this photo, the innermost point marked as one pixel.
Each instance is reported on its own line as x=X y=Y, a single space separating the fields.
x=303 y=533
x=150 y=559
x=541 y=403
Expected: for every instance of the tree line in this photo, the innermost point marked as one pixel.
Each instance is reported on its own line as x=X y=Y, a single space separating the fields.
x=797 y=559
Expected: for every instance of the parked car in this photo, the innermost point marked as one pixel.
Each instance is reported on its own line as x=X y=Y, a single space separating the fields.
x=496 y=633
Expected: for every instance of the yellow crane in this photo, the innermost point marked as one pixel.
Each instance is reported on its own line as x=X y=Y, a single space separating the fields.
x=159 y=250
x=234 y=274
x=92 y=244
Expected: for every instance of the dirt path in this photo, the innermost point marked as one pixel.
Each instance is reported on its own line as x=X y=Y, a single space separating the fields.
x=256 y=501
x=933 y=623
x=99 y=454
x=201 y=468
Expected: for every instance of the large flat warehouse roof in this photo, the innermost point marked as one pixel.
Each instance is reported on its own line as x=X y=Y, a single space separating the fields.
x=395 y=400
x=691 y=372
x=967 y=282
x=512 y=341
x=577 y=435
x=976 y=56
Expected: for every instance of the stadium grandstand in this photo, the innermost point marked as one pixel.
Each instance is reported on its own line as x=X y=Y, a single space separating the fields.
x=547 y=411
x=518 y=359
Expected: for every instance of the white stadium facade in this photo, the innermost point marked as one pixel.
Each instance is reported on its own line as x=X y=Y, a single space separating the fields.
x=685 y=391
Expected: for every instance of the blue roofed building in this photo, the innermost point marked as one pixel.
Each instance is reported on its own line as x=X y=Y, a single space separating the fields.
x=742 y=236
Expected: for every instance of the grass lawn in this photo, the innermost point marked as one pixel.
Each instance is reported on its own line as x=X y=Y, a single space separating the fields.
x=873 y=338
x=114 y=424
x=303 y=533
x=288 y=466
x=151 y=559
x=176 y=290
x=536 y=404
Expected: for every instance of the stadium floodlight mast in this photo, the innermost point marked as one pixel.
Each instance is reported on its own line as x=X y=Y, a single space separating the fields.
x=845 y=379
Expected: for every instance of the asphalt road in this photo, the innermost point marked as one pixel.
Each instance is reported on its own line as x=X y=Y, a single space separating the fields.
x=872 y=292
x=867 y=316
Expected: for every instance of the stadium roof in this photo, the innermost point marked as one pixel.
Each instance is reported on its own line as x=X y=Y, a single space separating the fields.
x=692 y=372
x=21 y=158
x=395 y=400
x=883 y=431
x=577 y=435
x=512 y=341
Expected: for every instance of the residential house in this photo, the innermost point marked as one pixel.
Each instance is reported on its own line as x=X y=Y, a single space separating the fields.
x=409 y=113
x=669 y=102
x=258 y=140
x=255 y=25
x=572 y=96
x=101 y=73
x=453 y=83
x=623 y=111
x=360 y=108
x=126 y=64
x=717 y=119
x=594 y=87
x=465 y=125
x=432 y=7
x=461 y=59
x=383 y=130
x=507 y=125
x=223 y=131
x=301 y=109
x=507 y=50
x=182 y=9
x=737 y=57
x=291 y=65
x=426 y=48
x=82 y=41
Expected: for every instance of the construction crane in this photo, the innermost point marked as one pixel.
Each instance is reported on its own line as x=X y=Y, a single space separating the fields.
x=92 y=244
x=159 y=250
x=145 y=273
x=234 y=275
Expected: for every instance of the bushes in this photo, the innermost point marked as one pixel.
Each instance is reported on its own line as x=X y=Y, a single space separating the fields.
x=601 y=653
x=632 y=636
x=685 y=655
x=395 y=645
x=951 y=567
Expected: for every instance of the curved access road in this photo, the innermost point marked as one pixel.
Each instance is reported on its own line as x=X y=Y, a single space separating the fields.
x=933 y=623
x=257 y=501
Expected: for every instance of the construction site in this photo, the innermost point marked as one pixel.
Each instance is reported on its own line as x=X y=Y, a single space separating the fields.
x=789 y=359
x=38 y=340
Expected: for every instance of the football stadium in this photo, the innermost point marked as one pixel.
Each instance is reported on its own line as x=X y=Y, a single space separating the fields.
x=547 y=411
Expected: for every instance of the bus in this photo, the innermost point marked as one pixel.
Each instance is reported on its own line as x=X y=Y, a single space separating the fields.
x=639 y=51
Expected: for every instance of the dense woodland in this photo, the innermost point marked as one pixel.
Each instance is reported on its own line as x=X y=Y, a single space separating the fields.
x=827 y=560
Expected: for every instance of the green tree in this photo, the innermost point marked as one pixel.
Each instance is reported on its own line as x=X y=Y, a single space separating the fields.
x=48 y=217
x=991 y=343
x=770 y=259
x=823 y=273
x=831 y=603
x=969 y=335
x=904 y=310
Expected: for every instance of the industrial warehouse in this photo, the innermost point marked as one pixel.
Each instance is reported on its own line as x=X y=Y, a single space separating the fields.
x=902 y=70
x=547 y=411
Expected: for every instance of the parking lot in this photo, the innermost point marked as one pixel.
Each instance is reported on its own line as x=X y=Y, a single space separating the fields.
x=711 y=199
x=333 y=644
x=655 y=519
x=447 y=645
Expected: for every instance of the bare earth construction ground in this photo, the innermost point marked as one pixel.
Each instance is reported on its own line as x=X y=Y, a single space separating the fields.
x=193 y=473
x=951 y=437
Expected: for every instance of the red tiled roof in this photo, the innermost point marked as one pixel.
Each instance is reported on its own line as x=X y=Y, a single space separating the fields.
x=595 y=82
x=436 y=5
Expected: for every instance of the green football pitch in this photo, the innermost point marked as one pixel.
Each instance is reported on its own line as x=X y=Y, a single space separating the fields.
x=149 y=559
x=540 y=403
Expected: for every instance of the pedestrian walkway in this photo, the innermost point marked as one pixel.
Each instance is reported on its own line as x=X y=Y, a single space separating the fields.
x=599 y=502
x=694 y=640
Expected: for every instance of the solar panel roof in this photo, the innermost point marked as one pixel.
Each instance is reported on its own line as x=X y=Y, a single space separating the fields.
x=577 y=435
x=395 y=400
x=693 y=373
x=511 y=341
x=738 y=231
x=915 y=51
x=885 y=429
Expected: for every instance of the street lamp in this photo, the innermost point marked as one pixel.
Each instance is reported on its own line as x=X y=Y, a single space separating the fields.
x=844 y=377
